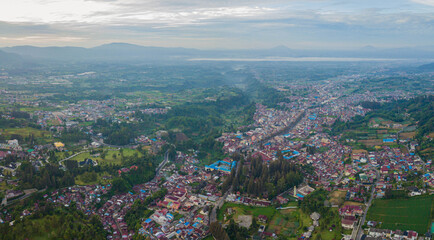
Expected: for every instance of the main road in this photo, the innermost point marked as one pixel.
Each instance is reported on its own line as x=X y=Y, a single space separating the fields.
x=357 y=232
x=161 y=165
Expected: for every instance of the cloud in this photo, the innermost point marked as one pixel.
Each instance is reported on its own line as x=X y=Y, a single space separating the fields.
x=217 y=23
x=425 y=2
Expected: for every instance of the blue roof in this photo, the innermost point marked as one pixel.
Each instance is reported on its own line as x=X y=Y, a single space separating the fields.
x=148 y=220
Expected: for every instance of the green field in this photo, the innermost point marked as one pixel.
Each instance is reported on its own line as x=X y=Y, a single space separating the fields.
x=284 y=222
x=112 y=156
x=246 y=210
x=404 y=214
x=81 y=180
x=41 y=136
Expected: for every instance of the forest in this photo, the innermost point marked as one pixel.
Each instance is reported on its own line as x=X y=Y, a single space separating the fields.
x=55 y=223
x=261 y=180
x=52 y=177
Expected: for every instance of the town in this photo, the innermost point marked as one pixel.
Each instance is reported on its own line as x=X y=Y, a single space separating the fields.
x=114 y=159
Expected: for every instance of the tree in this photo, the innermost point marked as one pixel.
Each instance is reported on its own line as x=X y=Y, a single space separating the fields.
x=218 y=232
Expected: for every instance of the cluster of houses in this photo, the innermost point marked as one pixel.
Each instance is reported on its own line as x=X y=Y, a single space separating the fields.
x=377 y=234
x=236 y=198
x=349 y=214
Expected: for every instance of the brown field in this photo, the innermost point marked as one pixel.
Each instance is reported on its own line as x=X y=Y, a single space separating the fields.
x=406 y=135
x=337 y=197
x=288 y=211
x=371 y=142
x=353 y=203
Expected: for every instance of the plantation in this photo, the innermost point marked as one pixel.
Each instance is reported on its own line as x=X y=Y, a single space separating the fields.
x=403 y=214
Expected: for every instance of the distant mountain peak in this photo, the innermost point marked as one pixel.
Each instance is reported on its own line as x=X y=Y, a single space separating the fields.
x=368 y=48
x=280 y=47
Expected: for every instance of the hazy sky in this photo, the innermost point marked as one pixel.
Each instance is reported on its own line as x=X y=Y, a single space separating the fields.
x=209 y=24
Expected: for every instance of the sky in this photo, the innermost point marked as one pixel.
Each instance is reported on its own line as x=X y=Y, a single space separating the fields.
x=219 y=24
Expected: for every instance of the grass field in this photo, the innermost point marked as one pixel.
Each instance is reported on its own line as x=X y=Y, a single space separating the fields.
x=404 y=214
x=246 y=210
x=112 y=156
x=39 y=135
x=79 y=180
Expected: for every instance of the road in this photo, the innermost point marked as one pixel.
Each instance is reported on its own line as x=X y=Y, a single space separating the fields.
x=61 y=161
x=163 y=163
x=358 y=232
x=8 y=168
x=7 y=203
x=219 y=204
x=280 y=132
x=100 y=141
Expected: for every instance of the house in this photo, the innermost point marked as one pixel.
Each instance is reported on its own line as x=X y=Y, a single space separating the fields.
x=315 y=216
x=87 y=162
x=350 y=210
x=281 y=200
x=372 y=223
x=374 y=232
x=262 y=219
x=348 y=222
x=384 y=169
x=414 y=191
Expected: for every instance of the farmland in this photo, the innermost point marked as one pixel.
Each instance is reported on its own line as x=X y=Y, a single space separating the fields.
x=403 y=214
x=40 y=136
x=284 y=222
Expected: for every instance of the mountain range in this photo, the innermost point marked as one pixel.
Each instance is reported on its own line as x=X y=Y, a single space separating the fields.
x=124 y=52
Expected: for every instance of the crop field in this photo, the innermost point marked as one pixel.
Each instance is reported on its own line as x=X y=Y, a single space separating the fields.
x=24 y=132
x=404 y=214
x=284 y=222
x=40 y=136
x=406 y=135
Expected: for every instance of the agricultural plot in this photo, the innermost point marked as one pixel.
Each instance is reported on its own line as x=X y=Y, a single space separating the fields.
x=284 y=222
x=404 y=214
x=24 y=132
x=405 y=135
